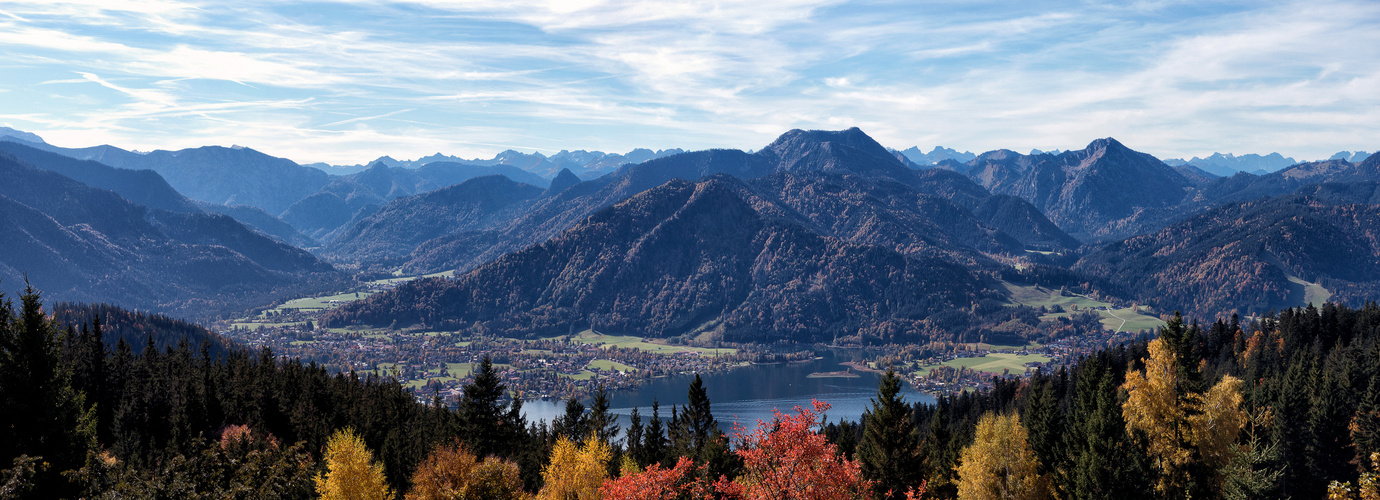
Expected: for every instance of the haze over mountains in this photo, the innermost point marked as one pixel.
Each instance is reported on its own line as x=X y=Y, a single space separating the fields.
x=818 y=234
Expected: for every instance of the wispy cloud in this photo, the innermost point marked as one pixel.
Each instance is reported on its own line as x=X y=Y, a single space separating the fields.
x=350 y=80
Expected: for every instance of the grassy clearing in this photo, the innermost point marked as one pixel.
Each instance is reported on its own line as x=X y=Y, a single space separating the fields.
x=627 y=341
x=583 y=375
x=1036 y=296
x=319 y=303
x=1313 y=293
x=1000 y=347
x=1135 y=321
x=993 y=362
x=609 y=365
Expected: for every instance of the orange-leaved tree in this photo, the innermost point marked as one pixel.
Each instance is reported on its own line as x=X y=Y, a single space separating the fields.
x=451 y=472
x=576 y=471
x=787 y=459
x=351 y=473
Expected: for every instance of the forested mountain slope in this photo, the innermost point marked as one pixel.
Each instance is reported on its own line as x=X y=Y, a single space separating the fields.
x=687 y=258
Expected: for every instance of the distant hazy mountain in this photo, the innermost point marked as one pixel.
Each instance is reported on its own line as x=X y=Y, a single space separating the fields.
x=584 y=164
x=226 y=176
x=143 y=187
x=1248 y=257
x=687 y=258
x=866 y=187
x=1226 y=165
x=21 y=135
x=78 y=243
x=1356 y=157
x=358 y=195
x=936 y=155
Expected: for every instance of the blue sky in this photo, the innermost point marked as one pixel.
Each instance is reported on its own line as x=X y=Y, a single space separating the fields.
x=345 y=82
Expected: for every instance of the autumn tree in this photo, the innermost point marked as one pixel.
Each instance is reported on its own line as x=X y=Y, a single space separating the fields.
x=657 y=483
x=889 y=452
x=788 y=459
x=576 y=471
x=1190 y=434
x=451 y=472
x=1000 y=463
x=351 y=473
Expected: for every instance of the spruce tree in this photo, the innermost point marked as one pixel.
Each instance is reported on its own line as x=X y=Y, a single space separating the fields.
x=482 y=414
x=654 y=439
x=43 y=416
x=890 y=448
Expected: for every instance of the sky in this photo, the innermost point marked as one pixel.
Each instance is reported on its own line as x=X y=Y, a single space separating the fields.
x=348 y=81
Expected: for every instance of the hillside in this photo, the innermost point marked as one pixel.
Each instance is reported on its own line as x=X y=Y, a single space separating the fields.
x=1249 y=258
x=81 y=244
x=685 y=258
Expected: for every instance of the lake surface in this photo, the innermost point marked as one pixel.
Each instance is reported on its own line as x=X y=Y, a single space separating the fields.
x=748 y=394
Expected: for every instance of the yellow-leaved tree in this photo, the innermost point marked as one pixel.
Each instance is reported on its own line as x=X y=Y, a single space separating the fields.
x=351 y=473
x=1000 y=463
x=576 y=471
x=451 y=472
x=1191 y=435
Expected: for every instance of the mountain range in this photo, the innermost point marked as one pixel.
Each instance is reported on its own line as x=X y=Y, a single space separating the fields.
x=81 y=243
x=817 y=235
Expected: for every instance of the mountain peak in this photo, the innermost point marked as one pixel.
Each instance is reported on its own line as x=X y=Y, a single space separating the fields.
x=1106 y=143
x=562 y=181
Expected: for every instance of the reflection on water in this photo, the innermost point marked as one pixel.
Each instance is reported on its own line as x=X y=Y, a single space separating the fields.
x=748 y=394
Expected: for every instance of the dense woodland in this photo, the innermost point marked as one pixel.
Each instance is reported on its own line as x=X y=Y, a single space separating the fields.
x=1287 y=405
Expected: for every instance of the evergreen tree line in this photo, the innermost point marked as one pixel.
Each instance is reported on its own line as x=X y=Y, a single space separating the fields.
x=86 y=418
x=1287 y=406
x=1284 y=406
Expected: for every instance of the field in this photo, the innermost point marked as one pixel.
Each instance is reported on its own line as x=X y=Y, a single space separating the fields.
x=1124 y=319
x=992 y=362
x=608 y=365
x=626 y=341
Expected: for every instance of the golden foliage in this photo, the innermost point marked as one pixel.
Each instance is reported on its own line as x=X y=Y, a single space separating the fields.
x=1000 y=463
x=576 y=471
x=350 y=471
x=1180 y=424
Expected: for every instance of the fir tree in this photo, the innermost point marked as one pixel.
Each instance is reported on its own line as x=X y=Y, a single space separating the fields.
x=890 y=448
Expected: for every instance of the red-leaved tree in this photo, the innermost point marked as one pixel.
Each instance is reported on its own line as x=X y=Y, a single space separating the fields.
x=782 y=460
x=657 y=483
x=787 y=459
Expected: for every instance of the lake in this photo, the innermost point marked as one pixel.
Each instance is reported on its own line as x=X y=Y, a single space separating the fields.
x=748 y=394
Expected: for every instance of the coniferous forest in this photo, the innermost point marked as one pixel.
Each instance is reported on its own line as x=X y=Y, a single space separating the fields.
x=1283 y=406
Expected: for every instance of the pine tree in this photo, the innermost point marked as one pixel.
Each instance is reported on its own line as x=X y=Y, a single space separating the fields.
x=890 y=448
